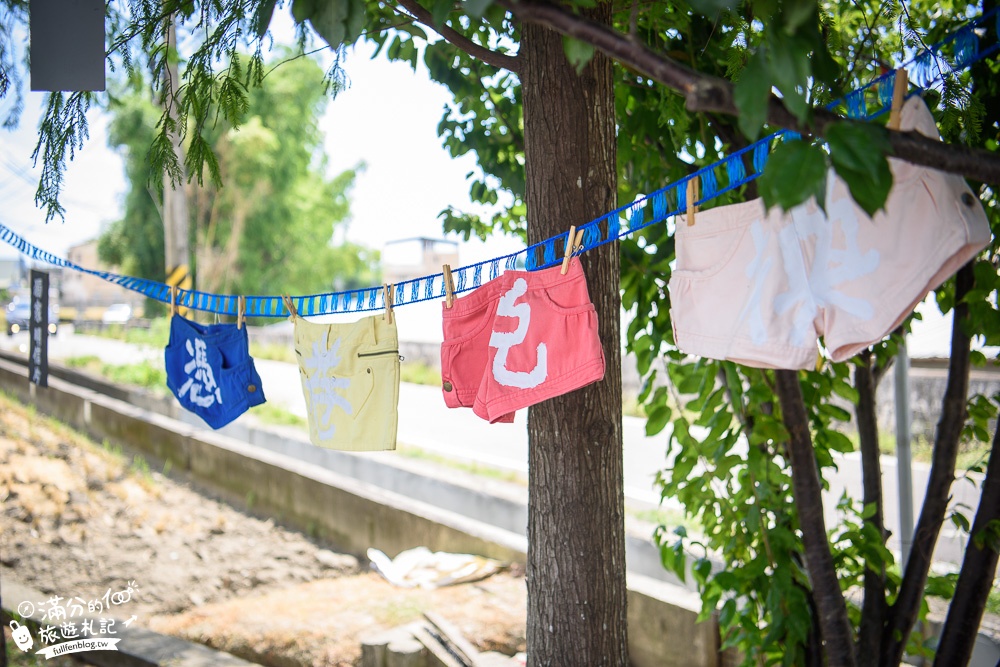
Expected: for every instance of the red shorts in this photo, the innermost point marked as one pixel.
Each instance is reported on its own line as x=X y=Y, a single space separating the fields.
x=518 y=340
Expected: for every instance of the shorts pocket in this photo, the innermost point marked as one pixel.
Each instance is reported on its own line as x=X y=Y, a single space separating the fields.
x=705 y=255
x=458 y=329
x=568 y=298
x=374 y=368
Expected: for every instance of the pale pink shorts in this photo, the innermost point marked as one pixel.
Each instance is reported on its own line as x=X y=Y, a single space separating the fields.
x=518 y=340
x=760 y=288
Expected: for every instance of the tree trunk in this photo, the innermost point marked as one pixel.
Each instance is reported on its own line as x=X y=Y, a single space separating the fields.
x=874 y=607
x=833 y=622
x=176 y=226
x=576 y=538
x=903 y=613
x=979 y=567
x=3 y=647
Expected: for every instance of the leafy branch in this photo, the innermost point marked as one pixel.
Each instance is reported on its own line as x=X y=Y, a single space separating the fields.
x=488 y=56
x=704 y=93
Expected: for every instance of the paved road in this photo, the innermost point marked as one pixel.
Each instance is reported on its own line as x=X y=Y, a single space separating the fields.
x=425 y=422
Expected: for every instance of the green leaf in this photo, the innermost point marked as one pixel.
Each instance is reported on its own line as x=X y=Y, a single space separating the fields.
x=857 y=146
x=659 y=417
x=796 y=13
x=578 y=53
x=751 y=95
x=329 y=20
x=712 y=8
x=264 y=14
x=476 y=8
x=839 y=442
x=728 y=613
x=857 y=151
x=795 y=172
x=440 y=10
x=303 y=9
x=846 y=391
x=357 y=16
x=988 y=536
x=789 y=66
x=701 y=569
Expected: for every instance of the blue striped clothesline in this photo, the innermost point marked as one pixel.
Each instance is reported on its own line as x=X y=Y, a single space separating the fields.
x=944 y=59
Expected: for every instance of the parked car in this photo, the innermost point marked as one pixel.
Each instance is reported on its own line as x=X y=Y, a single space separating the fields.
x=19 y=318
x=117 y=313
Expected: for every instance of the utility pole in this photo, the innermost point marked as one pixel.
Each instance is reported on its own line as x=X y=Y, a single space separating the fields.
x=175 y=209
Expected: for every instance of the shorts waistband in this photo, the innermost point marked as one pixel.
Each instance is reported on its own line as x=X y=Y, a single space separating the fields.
x=723 y=218
x=492 y=290
x=372 y=330
x=213 y=334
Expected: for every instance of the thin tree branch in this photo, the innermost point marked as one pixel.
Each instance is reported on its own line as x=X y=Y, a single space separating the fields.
x=488 y=56
x=833 y=621
x=874 y=607
x=903 y=613
x=975 y=579
x=704 y=93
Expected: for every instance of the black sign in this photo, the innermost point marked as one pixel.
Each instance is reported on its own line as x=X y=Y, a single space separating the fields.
x=38 y=362
x=67 y=44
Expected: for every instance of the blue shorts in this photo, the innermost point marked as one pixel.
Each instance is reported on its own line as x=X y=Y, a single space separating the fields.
x=210 y=371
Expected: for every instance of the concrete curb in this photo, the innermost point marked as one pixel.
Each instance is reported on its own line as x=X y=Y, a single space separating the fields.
x=353 y=514
x=139 y=647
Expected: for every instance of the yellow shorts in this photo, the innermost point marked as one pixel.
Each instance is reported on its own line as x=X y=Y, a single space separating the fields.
x=350 y=378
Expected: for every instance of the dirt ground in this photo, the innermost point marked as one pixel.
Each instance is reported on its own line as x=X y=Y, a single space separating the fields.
x=79 y=520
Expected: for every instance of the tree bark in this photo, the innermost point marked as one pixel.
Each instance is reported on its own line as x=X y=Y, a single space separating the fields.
x=3 y=646
x=979 y=567
x=576 y=542
x=874 y=607
x=903 y=613
x=833 y=621
x=176 y=220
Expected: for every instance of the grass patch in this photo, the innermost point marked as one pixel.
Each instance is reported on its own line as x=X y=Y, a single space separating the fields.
x=662 y=516
x=659 y=516
x=269 y=413
x=993 y=602
x=86 y=362
x=273 y=351
x=157 y=335
x=17 y=658
x=922 y=449
x=417 y=372
x=146 y=375
x=631 y=407
x=471 y=467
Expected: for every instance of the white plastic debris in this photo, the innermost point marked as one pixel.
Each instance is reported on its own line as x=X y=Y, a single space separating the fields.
x=422 y=568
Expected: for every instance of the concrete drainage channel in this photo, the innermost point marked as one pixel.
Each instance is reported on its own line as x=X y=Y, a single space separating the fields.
x=358 y=501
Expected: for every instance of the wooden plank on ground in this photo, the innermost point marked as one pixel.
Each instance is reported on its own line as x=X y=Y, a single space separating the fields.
x=458 y=643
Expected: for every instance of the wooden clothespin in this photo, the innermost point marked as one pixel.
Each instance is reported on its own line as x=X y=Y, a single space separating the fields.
x=569 y=249
x=290 y=305
x=449 y=286
x=693 y=186
x=899 y=89
x=574 y=240
x=241 y=311
x=173 y=300
x=387 y=298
